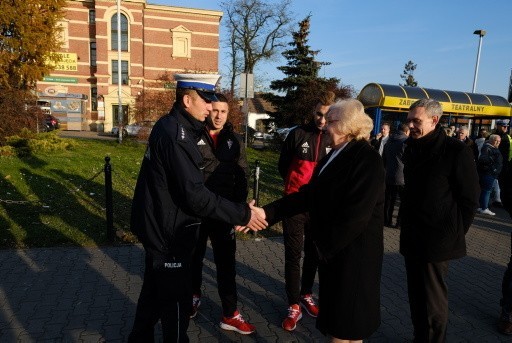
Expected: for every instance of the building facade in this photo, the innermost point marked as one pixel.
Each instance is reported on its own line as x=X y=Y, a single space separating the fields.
x=155 y=40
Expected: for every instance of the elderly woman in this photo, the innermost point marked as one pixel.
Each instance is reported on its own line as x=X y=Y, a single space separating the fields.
x=345 y=201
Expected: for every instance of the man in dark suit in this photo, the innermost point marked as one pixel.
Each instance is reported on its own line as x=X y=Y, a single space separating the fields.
x=382 y=138
x=439 y=204
x=394 y=165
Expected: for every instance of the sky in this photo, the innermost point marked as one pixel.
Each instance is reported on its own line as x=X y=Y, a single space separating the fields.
x=371 y=41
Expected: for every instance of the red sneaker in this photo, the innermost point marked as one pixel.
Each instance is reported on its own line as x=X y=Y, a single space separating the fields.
x=307 y=302
x=294 y=315
x=196 y=301
x=237 y=323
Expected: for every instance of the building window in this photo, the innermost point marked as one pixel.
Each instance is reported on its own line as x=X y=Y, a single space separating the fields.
x=63 y=34
x=94 y=98
x=124 y=72
x=124 y=32
x=92 y=16
x=181 y=42
x=93 y=54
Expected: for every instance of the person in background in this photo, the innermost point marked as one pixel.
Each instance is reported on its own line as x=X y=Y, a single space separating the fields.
x=504 y=147
x=345 y=200
x=439 y=204
x=489 y=167
x=382 y=138
x=454 y=130
x=303 y=148
x=169 y=201
x=392 y=158
x=448 y=131
x=225 y=173
x=463 y=136
x=480 y=140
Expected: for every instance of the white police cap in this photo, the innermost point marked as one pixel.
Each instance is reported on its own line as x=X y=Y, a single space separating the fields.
x=203 y=84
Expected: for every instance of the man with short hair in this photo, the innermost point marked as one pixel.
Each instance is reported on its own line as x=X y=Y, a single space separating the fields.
x=506 y=152
x=225 y=173
x=383 y=137
x=303 y=148
x=169 y=201
x=392 y=158
x=463 y=136
x=502 y=131
x=440 y=199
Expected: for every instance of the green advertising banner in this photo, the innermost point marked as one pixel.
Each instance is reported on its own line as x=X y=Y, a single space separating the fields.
x=60 y=79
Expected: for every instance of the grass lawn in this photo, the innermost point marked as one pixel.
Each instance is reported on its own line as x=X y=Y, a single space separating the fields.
x=58 y=198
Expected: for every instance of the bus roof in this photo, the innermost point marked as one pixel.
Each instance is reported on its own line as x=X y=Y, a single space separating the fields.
x=400 y=98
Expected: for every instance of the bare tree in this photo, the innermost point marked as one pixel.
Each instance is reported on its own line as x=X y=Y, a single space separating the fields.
x=256 y=29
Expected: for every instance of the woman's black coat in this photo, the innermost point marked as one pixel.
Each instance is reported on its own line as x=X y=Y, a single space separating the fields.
x=345 y=203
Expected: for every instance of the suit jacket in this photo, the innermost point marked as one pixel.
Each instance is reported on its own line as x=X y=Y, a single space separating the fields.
x=440 y=197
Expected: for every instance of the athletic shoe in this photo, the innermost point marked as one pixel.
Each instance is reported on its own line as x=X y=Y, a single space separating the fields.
x=237 y=323
x=307 y=303
x=294 y=315
x=196 y=302
x=488 y=212
x=479 y=210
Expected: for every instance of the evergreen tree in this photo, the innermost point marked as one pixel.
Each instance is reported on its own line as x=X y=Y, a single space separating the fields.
x=408 y=75
x=301 y=84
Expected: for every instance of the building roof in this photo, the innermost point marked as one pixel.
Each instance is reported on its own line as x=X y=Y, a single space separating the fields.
x=260 y=105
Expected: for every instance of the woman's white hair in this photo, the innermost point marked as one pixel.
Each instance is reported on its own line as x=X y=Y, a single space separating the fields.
x=353 y=121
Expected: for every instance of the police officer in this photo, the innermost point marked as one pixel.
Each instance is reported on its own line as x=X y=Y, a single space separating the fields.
x=170 y=199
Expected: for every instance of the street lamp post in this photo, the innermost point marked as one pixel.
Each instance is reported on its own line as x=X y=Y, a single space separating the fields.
x=481 y=34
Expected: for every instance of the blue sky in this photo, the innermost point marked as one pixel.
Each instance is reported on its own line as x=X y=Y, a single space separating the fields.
x=370 y=41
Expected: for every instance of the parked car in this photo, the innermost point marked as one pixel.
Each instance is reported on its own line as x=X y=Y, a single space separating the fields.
x=141 y=129
x=284 y=131
x=50 y=123
x=262 y=140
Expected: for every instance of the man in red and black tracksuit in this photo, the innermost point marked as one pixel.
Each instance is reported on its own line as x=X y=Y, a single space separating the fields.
x=303 y=148
x=225 y=173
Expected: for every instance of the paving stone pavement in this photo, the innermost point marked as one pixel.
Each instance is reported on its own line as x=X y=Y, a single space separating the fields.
x=89 y=295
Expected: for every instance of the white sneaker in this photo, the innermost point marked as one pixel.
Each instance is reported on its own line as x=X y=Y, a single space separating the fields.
x=488 y=212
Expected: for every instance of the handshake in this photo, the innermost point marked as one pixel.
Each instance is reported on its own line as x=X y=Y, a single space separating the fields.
x=257 y=221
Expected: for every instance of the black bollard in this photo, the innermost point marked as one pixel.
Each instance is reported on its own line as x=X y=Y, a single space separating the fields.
x=256 y=189
x=108 y=200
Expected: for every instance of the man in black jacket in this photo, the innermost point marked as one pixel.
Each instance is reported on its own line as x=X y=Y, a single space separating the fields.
x=225 y=173
x=439 y=204
x=169 y=201
x=392 y=158
x=505 y=322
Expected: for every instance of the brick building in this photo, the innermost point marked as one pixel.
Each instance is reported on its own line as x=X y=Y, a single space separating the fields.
x=155 y=40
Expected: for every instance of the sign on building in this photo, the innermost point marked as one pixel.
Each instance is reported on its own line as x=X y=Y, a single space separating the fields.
x=63 y=61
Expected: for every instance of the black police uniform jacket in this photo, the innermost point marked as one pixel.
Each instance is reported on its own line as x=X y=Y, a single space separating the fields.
x=225 y=165
x=170 y=196
x=440 y=197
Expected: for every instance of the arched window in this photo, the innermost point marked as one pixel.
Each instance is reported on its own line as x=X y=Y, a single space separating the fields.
x=124 y=32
